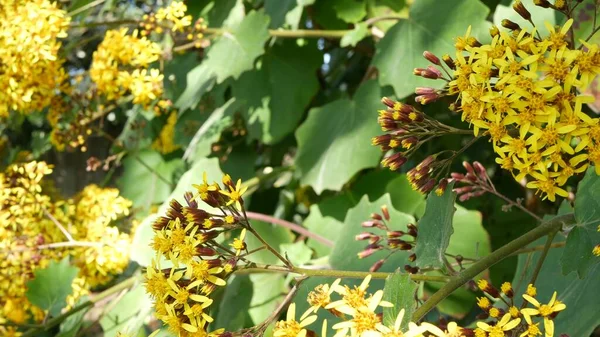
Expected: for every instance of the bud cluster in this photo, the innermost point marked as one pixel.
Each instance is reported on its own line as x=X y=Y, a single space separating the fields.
x=474 y=183
x=388 y=240
x=190 y=239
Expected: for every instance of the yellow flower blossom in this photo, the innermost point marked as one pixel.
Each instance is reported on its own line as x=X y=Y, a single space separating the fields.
x=503 y=325
x=544 y=310
x=292 y=328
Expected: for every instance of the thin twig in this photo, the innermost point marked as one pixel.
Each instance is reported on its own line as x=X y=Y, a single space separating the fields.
x=58 y=224
x=514 y=203
x=540 y=262
x=290 y=225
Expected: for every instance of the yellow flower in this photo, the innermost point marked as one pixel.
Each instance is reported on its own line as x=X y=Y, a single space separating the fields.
x=320 y=297
x=238 y=243
x=292 y=328
x=235 y=194
x=505 y=324
x=543 y=310
x=452 y=330
x=413 y=329
x=531 y=290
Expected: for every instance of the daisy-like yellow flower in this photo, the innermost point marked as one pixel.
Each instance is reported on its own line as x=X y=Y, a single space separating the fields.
x=292 y=328
x=320 y=297
x=351 y=298
x=235 y=194
x=505 y=324
x=533 y=330
x=544 y=310
x=238 y=243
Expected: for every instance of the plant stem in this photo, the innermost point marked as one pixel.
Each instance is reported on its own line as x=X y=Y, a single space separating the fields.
x=545 y=228
x=536 y=248
x=540 y=262
x=290 y=225
x=515 y=204
x=299 y=33
x=266 y=244
x=128 y=283
x=262 y=268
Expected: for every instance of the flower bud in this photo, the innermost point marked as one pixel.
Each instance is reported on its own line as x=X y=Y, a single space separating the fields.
x=387 y=101
x=431 y=58
x=457 y=176
x=427 y=98
x=419 y=71
x=412 y=230
x=560 y=4
x=521 y=10
x=506 y=23
x=394 y=161
x=367 y=252
x=364 y=236
x=485 y=286
x=449 y=61
x=189 y=199
x=386 y=212
x=441 y=188
x=542 y=3
x=160 y=223
x=395 y=234
x=425 y=90
x=375 y=267
x=205 y=251
x=428 y=186
x=412 y=257
x=481 y=172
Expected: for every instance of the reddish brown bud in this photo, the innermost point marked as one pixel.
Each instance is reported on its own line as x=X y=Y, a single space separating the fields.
x=481 y=172
x=506 y=23
x=160 y=223
x=426 y=99
x=425 y=90
x=521 y=10
x=542 y=3
x=372 y=223
x=395 y=234
x=428 y=186
x=449 y=61
x=441 y=188
x=386 y=212
x=468 y=167
x=431 y=58
x=464 y=189
x=412 y=257
x=364 y=236
x=368 y=252
x=394 y=161
x=387 y=101
x=375 y=267
x=425 y=163
x=205 y=251
x=376 y=216
x=494 y=31
x=412 y=230
x=419 y=71
x=457 y=176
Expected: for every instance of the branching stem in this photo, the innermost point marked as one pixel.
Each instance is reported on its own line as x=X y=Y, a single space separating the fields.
x=545 y=228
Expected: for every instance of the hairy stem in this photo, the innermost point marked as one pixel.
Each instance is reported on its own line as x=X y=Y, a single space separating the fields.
x=290 y=225
x=545 y=228
x=261 y=268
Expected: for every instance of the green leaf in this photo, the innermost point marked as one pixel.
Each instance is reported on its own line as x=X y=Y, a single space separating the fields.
x=345 y=252
x=432 y=26
x=399 y=290
x=350 y=11
x=581 y=316
x=327 y=160
x=277 y=93
x=199 y=80
x=128 y=314
x=327 y=219
x=359 y=32
x=298 y=252
x=147 y=178
x=435 y=229
x=278 y=10
x=51 y=285
x=225 y=13
x=141 y=252
x=234 y=52
x=210 y=130
x=471 y=241
x=584 y=236
x=233 y=307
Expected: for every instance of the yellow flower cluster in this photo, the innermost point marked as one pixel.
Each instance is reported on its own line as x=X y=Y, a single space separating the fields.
x=358 y=311
x=189 y=263
x=516 y=319
x=31 y=69
x=165 y=143
x=120 y=67
x=175 y=15
x=522 y=90
x=36 y=226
